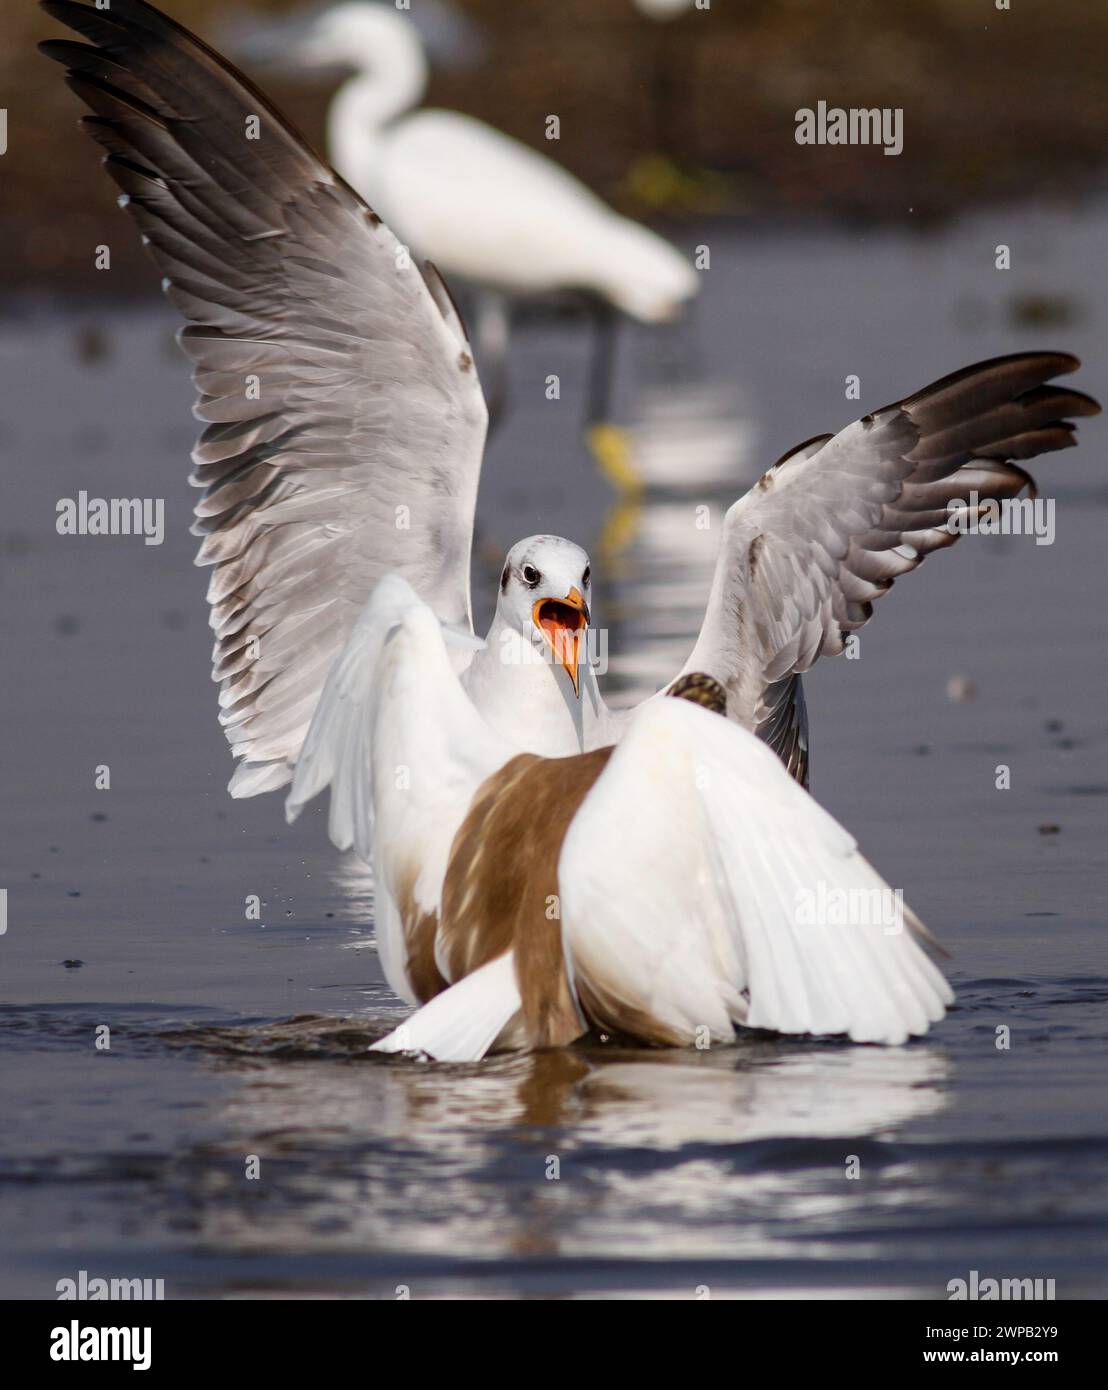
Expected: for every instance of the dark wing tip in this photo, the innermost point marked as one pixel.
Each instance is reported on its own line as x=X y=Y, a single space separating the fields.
x=133 y=27
x=59 y=50
x=1016 y=369
x=58 y=9
x=1050 y=361
x=1088 y=406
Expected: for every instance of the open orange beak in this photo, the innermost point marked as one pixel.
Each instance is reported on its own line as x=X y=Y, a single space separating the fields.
x=562 y=621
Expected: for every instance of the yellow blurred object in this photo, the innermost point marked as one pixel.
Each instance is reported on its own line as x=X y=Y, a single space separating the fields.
x=621 y=526
x=657 y=183
x=611 y=447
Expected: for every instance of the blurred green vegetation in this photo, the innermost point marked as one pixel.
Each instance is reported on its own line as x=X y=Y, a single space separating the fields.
x=998 y=105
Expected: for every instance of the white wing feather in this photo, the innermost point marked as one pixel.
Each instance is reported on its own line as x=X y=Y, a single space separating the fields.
x=336 y=383
x=462 y=1023
x=403 y=750
x=686 y=878
x=819 y=538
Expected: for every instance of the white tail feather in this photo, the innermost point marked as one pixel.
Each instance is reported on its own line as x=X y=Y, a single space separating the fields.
x=462 y=1023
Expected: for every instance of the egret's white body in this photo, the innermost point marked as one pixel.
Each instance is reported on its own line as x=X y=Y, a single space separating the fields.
x=476 y=203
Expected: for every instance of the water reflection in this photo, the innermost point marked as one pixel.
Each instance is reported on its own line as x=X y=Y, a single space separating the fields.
x=627 y=1155
x=697 y=448
x=762 y=1088
x=695 y=435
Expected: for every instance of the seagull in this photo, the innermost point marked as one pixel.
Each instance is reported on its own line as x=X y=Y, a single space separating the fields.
x=673 y=845
x=485 y=208
x=661 y=890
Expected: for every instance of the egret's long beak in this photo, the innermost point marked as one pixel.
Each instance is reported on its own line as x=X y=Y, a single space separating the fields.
x=562 y=621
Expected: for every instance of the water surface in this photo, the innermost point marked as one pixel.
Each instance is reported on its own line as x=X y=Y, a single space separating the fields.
x=585 y=1172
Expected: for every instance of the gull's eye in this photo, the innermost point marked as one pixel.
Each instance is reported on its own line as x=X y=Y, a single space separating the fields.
x=530 y=576
x=587 y=575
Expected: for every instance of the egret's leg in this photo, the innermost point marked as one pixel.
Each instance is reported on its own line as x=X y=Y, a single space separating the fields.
x=609 y=444
x=490 y=337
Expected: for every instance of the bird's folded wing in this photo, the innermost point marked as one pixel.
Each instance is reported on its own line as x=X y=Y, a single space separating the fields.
x=393 y=725
x=826 y=531
x=345 y=423
x=701 y=886
x=403 y=750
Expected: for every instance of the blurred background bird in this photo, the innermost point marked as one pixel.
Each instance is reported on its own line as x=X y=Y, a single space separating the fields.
x=507 y=226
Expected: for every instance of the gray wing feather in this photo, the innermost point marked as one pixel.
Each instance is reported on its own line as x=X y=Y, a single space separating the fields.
x=344 y=422
x=828 y=529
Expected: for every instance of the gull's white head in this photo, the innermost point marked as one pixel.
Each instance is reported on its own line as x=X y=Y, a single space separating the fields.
x=545 y=591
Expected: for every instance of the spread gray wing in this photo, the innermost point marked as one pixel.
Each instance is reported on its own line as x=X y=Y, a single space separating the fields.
x=828 y=529
x=344 y=422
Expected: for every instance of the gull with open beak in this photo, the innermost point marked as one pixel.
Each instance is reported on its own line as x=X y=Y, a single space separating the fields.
x=543 y=864
x=532 y=678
